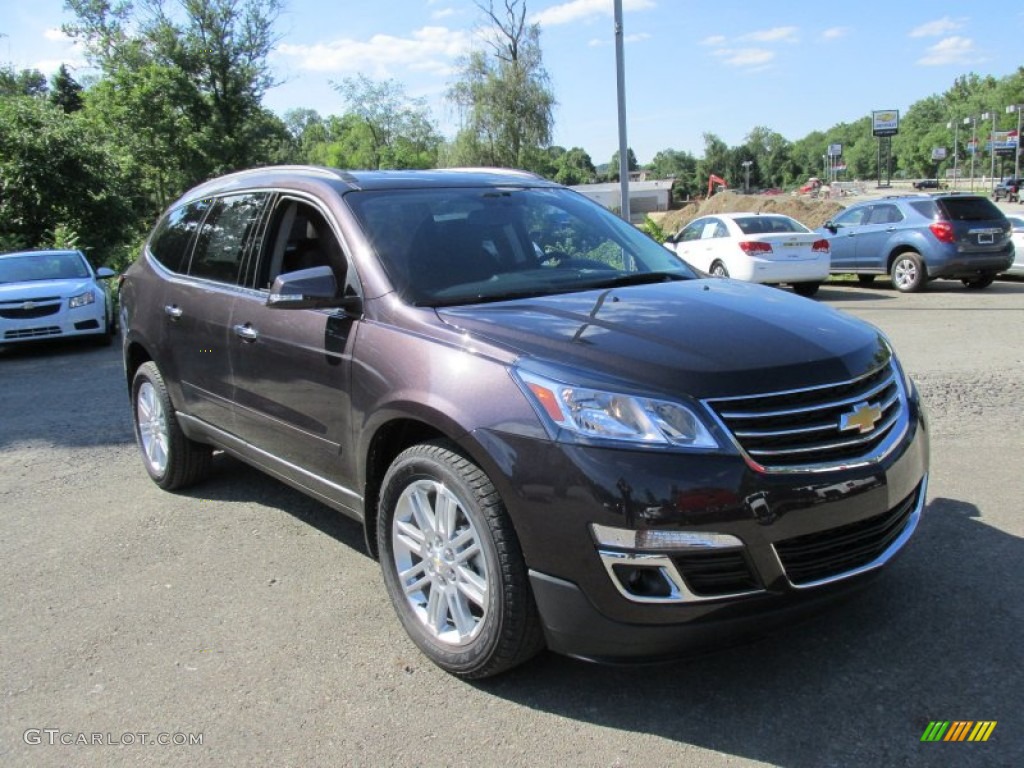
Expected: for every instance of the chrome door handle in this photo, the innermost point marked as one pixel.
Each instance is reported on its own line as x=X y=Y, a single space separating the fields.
x=173 y=311
x=246 y=332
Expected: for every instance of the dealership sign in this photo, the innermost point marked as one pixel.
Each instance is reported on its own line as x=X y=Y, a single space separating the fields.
x=885 y=122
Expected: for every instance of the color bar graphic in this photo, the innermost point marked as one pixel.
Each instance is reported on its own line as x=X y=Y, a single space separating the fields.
x=958 y=730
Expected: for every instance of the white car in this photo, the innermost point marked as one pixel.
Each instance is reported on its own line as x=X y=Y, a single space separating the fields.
x=1017 y=268
x=756 y=247
x=53 y=294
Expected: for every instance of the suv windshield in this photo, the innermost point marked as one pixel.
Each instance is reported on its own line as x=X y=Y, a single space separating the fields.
x=456 y=245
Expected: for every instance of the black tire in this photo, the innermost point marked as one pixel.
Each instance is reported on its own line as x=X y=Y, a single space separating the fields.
x=718 y=270
x=979 y=282
x=806 y=289
x=500 y=628
x=865 y=279
x=908 y=273
x=172 y=460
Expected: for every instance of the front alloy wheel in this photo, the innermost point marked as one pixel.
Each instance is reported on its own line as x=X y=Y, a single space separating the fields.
x=452 y=564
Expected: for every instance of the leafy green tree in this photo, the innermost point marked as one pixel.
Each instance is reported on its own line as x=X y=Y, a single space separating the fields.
x=399 y=129
x=503 y=95
x=58 y=181
x=26 y=82
x=575 y=167
x=613 y=165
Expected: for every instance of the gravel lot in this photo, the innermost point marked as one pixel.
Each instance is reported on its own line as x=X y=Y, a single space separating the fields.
x=246 y=615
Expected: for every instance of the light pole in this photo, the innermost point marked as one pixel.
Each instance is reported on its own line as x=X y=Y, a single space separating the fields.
x=746 y=167
x=991 y=149
x=1016 y=155
x=955 y=126
x=620 y=88
x=974 y=144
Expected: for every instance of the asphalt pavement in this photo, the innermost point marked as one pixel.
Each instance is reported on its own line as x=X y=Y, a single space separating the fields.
x=241 y=623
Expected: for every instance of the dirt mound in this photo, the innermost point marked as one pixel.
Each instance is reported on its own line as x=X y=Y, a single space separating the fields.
x=811 y=213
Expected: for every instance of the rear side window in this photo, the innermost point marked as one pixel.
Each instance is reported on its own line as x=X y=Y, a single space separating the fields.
x=926 y=208
x=171 y=242
x=970 y=209
x=223 y=239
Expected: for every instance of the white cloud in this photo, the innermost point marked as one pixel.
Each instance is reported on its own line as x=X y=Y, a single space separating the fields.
x=428 y=49
x=834 y=33
x=54 y=34
x=745 y=57
x=714 y=40
x=952 y=50
x=774 y=35
x=578 y=10
x=936 y=28
x=443 y=13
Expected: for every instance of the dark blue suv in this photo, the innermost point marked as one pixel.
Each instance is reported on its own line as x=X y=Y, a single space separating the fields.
x=917 y=238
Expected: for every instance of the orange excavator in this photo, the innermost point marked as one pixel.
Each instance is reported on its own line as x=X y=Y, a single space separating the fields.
x=712 y=181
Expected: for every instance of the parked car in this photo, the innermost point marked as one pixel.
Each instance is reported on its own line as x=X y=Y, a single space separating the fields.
x=53 y=294
x=1017 y=223
x=918 y=238
x=927 y=184
x=756 y=247
x=553 y=431
x=1008 y=189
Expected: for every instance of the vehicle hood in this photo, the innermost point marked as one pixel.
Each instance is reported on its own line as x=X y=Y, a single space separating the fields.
x=702 y=338
x=44 y=288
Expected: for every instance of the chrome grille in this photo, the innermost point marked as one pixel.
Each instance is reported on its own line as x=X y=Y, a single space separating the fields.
x=850 y=422
x=20 y=312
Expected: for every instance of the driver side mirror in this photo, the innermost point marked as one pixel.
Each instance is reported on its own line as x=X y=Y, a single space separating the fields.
x=313 y=288
x=831 y=226
x=105 y=273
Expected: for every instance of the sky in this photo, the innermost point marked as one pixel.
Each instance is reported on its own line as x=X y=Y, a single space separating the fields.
x=691 y=66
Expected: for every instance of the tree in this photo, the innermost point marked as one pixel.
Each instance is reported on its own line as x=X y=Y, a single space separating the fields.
x=58 y=181
x=65 y=92
x=27 y=82
x=613 y=165
x=575 y=167
x=503 y=96
x=400 y=131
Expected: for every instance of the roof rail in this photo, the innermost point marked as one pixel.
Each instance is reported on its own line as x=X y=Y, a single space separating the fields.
x=499 y=171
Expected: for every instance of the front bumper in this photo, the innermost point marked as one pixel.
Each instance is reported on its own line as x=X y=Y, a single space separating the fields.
x=805 y=539
x=50 y=319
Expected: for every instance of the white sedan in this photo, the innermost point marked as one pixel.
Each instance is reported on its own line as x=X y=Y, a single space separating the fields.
x=756 y=247
x=53 y=294
x=1017 y=268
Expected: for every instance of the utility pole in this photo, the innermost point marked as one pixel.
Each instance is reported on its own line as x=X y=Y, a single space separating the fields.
x=620 y=81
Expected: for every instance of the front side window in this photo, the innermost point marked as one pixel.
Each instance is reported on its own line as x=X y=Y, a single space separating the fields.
x=450 y=246
x=224 y=236
x=852 y=218
x=171 y=242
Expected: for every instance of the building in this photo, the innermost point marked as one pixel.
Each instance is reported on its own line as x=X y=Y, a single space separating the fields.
x=644 y=196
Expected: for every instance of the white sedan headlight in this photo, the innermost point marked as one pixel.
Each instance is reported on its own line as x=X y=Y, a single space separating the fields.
x=597 y=414
x=82 y=299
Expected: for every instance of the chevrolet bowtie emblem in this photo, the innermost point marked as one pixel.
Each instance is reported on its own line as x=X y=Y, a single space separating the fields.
x=863 y=418
x=28 y=305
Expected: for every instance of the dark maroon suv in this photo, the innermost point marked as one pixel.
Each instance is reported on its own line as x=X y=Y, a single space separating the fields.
x=554 y=432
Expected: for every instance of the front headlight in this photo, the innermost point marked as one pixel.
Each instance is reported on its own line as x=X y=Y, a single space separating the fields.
x=601 y=415
x=81 y=300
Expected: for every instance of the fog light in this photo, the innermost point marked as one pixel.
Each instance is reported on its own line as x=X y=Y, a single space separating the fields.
x=643 y=581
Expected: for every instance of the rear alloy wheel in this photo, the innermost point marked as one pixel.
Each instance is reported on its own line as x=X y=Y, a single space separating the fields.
x=171 y=459
x=979 y=282
x=806 y=289
x=909 y=274
x=718 y=270
x=452 y=564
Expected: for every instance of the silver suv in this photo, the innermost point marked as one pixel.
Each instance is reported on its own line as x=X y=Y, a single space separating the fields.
x=918 y=238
